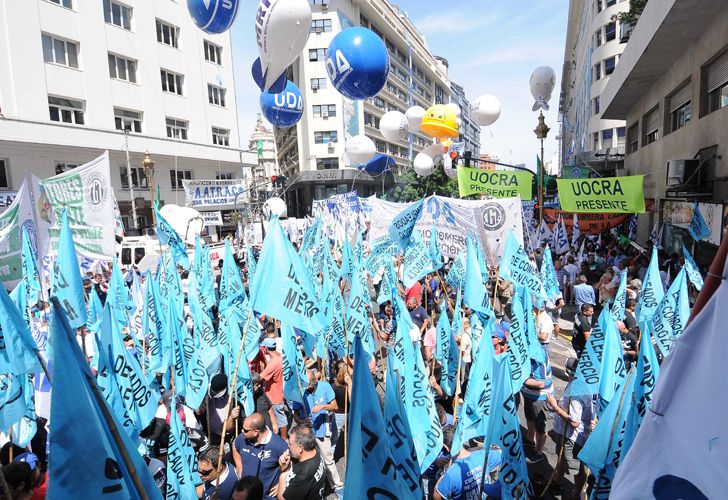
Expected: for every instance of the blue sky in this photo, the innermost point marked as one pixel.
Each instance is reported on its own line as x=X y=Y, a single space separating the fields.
x=492 y=47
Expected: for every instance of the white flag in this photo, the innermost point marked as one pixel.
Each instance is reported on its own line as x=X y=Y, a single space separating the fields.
x=544 y=233
x=576 y=231
x=680 y=450
x=561 y=242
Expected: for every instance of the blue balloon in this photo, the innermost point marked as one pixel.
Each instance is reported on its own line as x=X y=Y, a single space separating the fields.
x=357 y=63
x=213 y=16
x=284 y=109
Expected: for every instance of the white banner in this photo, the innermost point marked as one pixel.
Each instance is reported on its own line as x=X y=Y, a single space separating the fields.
x=21 y=213
x=381 y=214
x=680 y=213
x=212 y=218
x=212 y=193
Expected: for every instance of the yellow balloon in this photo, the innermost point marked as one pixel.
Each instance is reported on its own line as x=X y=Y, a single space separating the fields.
x=440 y=121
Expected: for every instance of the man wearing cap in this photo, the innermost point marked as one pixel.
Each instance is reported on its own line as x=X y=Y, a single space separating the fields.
x=256 y=452
x=500 y=336
x=272 y=374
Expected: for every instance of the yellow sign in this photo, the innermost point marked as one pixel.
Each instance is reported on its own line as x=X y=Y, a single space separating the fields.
x=495 y=183
x=604 y=194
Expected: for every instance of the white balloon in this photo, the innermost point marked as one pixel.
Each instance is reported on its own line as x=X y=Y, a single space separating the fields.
x=274 y=206
x=423 y=165
x=187 y=222
x=360 y=149
x=394 y=126
x=486 y=110
x=282 y=28
x=454 y=107
x=459 y=122
x=414 y=117
x=543 y=80
x=434 y=150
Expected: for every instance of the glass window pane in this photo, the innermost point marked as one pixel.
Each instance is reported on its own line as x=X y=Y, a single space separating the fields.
x=72 y=55
x=164 y=80
x=47 y=48
x=78 y=115
x=121 y=68
x=59 y=47
x=107 y=11
x=116 y=14
x=119 y=126
x=54 y=114
x=131 y=68
x=126 y=14
x=66 y=116
x=112 y=66
x=159 y=31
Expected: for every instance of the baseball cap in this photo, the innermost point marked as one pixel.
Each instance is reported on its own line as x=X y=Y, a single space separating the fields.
x=501 y=329
x=218 y=385
x=269 y=343
x=29 y=458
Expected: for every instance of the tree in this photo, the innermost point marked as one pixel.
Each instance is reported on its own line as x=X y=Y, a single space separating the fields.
x=411 y=187
x=633 y=14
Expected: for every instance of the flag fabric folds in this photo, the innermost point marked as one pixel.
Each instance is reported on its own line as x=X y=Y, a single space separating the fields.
x=671 y=315
x=168 y=236
x=692 y=269
x=66 y=282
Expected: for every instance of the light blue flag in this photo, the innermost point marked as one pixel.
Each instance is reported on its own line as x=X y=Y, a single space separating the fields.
x=652 y=292
x=398 y=430
x=139 y=399
x=457 y=315
x=435 y=253
x=620 y=298
x=182 y=476
x=698 y=228
x=402 y=225
x=168 y=236
x=17 y=347
x=347 y=258
x=190 y=373
x=456 y=274
x=357 y=314
x=671 y=316
x=24 y=430
x=561 y=241
x=66 y=282
x=330 y=268
x=244 y=379
x=603 y=451
x=381 y=253
x=203 y=328
x=424 y=422
x=207 y=281
x=87 y=460
x=388 y=283
x=417 y=261
x=446 y=352
x=481 y=260
x=252 y=264
x=31 y=276
x=170 y=287
x=518 y=268
x=370 y=469
x=474 y=293
x=19 y=296
x=535 y=350
x=310 y=237
x=548 y=275
x=120 y=297
x=336 y=337
x=295 y=378
x=692 y=269
x=13 y=404
x=477 y=327
x=154 y=327
x=281 y=287
x=476 y=410
x=232 y=292
x=518 y=353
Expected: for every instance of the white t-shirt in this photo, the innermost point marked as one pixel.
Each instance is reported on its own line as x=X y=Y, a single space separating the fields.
x=545 y=325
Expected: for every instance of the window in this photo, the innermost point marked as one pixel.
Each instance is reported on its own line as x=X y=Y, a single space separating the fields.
x=632 y=139
x=4 y=173
x=321 y=26
x=595 y=105
x=364 y=21
x=595 y=136
x=167 y=34
x=599 y=5
x=610 y=31
x=128 y=120
x=65 y=110
x=224 y=175
x=57 y=51
x=176 y=129
x=171 y=82
x=611 y=2
x=609 y=64
x=379 y=102
x=598 y=38
x=607 y=136
x=324 y=110
x=317 y=54
x=651 y=126
x=177 y=176
x=318 y=83
x=597 y=71
x=325 y=137
x=213 y=53
x=220 y=136
x=439 y=95
x=680 y=107
x=621 y=131
x=327 y=163
x=122 y=69
x=62 y=166
x=716 y=83
x=380 y=145
x=117 y=14
x=138 y=179
x=63 y=3
x=216 y=95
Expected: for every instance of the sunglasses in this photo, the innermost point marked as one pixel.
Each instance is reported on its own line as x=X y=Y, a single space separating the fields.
x=205 y=472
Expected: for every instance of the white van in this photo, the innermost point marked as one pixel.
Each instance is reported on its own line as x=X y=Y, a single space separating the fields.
x=135 y=248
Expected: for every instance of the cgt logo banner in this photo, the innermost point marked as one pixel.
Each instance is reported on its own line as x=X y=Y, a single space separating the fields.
x=494 y=183
x=605 y=194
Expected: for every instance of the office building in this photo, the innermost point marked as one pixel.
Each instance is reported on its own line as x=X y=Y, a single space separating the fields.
x=469 y=130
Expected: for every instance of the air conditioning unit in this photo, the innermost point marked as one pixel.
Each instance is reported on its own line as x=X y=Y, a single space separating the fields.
x=319 y=31
x=680 y=172
x=325 y=6
x=315 y=90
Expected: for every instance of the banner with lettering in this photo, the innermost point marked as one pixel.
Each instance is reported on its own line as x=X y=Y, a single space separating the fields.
x=212 y=193
x=18 y=216
x=495 y=183
x=590 y=223
x=604 y=194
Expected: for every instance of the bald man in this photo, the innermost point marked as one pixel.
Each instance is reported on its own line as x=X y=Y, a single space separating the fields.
x=256 y=452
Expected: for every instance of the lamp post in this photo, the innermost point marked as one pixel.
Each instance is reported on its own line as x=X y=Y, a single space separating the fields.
x=148 y=166
x=541 y=131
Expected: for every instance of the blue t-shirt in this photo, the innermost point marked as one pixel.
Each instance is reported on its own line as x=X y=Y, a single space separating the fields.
x=261 y=460
x=433 y=470
x=226 y=488
x=542 y=373
x=323 y=395
x=462 y=480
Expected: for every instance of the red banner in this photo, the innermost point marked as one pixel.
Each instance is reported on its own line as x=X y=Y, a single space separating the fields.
x=588 y=223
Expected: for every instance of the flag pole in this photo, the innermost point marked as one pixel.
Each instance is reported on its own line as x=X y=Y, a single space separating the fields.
x=457 y=386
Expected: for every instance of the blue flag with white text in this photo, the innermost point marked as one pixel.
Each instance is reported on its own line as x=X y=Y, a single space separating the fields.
x=671 y=315
x=698 y=228
x=295 y=379
x=402 y=225
x=168 y=236
x=182 y=477
x=692 y=269
x=652 y=292
x=518 y=268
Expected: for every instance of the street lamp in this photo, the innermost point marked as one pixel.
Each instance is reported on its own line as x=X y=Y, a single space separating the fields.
x=148 y=166
x=541 y=131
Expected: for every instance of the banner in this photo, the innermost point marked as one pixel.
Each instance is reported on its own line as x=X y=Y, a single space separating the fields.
x=381 y=213
x=605 y=194
x=20 y=214
x=212 y=193
x=680 y=214
x=495 y=183
x=211 y=218
x=591 y=223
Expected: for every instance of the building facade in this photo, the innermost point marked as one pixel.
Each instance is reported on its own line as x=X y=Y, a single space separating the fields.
x=591 y=143
x=673 y=93
x=81 y=77
x=308 y=152
x=469 y=130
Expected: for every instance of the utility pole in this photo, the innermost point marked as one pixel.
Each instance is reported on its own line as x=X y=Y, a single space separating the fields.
x=130 y=180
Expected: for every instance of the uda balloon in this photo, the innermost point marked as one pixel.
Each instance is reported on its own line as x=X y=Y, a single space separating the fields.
x=281 y=31
x=284 y=109
x=543 y=80
x=357 y=63
x=213 y=16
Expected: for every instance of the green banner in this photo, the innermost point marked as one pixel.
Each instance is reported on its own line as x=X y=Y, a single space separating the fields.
x=495 y=183
x=604 y=194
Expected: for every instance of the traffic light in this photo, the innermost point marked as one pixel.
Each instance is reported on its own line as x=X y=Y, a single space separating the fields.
x=468 y=155
x=278 y=181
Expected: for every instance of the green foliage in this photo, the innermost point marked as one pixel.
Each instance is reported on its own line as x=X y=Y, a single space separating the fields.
x=633 y=14
x=411 y=187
